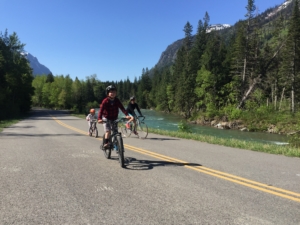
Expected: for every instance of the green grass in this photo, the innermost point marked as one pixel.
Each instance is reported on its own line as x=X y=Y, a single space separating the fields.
x=82 y=116
x=248 y=145
x=254 y=146
x=7 y=123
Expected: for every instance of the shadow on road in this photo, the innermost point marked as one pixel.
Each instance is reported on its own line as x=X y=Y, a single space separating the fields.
x=46 y=114
x=7 y=134
x=135 y=164
x=161 y=139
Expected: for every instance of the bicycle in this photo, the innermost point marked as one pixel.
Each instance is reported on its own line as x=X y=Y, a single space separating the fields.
x=93 y=128
x=141 y=128
x=116 y=143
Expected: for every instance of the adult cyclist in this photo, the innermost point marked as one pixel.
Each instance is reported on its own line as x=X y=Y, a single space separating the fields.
x=132 y=105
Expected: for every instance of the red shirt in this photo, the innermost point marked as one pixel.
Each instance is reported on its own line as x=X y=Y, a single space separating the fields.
x=110 y=109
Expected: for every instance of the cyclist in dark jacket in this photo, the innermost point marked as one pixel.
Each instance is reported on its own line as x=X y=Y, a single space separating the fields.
x=132 y=105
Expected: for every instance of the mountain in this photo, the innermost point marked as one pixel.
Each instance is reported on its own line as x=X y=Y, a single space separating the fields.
x=169 y=55
x=37 y=68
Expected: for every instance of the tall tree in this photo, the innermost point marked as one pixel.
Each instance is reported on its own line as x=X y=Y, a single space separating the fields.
x=291 y=63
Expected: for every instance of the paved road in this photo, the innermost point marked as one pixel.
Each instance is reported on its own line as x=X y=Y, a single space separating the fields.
x=51 y=172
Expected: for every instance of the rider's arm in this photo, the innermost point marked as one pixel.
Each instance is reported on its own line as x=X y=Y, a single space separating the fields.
x=138 y=109
x=120 y=105
x=101 y=111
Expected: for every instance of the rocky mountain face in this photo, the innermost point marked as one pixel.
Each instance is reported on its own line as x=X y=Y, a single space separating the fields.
x=37 y=68
x=169 y=55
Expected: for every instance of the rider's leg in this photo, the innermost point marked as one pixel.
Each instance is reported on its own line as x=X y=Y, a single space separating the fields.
x=107 y=129
x=134 y=127
x=130 y=120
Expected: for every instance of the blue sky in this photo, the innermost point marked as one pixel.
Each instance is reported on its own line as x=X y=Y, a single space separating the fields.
x=113 y=39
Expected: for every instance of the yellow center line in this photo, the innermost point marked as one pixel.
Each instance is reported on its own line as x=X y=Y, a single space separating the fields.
x=226 y=176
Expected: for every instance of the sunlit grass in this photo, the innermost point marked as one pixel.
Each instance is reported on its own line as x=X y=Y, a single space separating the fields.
x=234 y=143
x=254 y=146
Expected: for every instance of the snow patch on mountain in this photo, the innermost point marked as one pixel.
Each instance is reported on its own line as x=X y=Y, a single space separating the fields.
x=217 y=27
x=279 y=8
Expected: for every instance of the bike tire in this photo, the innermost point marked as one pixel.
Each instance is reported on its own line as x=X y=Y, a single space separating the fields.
x=120 y=151
x=125 y=131
x=142 y=130
x=96 y=132
x=90 y=132
x=106 y=151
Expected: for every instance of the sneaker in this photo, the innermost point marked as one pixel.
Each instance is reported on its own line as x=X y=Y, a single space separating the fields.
x=127 y=125
x=107 y=145
x=136 y=133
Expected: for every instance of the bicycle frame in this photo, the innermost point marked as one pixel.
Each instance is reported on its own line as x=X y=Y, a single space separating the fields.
x=140 y=127
x=116 y=142
x=93 y=124
x=93 y=128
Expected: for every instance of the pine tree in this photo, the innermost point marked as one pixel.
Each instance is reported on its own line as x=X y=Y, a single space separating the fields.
x=291 y=63
x=185 y=77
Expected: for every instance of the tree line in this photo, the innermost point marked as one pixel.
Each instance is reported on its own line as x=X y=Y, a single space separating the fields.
x=254 y=68
x=62 y=92
x=15 y=77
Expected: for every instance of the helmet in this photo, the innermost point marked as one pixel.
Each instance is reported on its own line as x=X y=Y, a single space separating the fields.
x=132 y=98
x=109 y=88
x=92 y=111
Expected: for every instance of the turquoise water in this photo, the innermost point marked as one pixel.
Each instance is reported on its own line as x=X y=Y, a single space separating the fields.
x=166 y=121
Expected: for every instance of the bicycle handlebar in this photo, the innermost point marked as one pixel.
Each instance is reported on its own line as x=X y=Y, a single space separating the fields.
x=115 y=121
x=141 y=117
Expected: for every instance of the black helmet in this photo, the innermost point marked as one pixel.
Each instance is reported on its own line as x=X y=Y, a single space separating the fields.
x=109 y=88
x=132 y=98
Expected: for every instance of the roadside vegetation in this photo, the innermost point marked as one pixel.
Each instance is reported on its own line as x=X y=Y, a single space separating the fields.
x=184 y=131
x=286 y=150
x=7 y=123
x=249 y=73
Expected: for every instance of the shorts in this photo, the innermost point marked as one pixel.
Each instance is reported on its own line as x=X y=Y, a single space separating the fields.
x=108 y=125
x=134 y=116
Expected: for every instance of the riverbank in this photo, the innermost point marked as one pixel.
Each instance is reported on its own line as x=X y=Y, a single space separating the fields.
x=273 y=122
x=248 y=145
x=285 y=150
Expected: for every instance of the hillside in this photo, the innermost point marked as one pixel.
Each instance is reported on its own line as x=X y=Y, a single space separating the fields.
x=265 y=18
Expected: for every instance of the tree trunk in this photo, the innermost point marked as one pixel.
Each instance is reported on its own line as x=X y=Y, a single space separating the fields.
x=249 y=91
x=282 y=94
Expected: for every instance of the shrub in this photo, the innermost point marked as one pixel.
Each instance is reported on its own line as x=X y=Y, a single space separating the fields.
x=184 y=127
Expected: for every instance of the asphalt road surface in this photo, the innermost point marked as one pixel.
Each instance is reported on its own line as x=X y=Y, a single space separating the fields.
x=52 y=172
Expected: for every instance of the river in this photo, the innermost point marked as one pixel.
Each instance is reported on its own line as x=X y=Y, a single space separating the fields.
x=164 y=121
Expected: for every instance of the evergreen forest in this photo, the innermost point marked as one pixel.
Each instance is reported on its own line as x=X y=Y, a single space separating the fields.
x=248 y=72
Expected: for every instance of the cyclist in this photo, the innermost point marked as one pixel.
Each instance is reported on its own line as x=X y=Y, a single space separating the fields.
x=132 y=105
x=109 y=111
x=90 y=117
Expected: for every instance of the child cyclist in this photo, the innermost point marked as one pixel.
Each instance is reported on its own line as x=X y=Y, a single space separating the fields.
x=109 y=111
x=89 y=118
x=132 y=105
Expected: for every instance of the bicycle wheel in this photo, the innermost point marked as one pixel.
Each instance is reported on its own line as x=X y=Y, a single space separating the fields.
x=120 y=151
x=142 y=130
x=90 y=132
x=106 y=151
x=96 y=132
x=125 y=131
